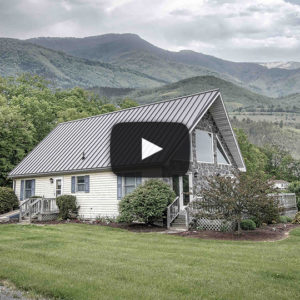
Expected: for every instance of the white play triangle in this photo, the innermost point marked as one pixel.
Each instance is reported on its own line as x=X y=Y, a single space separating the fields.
x=149 y=148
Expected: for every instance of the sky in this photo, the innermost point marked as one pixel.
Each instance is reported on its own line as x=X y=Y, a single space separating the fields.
x=238 y=30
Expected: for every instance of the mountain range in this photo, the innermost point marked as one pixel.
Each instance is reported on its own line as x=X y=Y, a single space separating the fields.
x=125 y=64
x=132 y=52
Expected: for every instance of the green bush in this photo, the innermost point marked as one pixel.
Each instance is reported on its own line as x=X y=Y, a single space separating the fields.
x=248 y=224
x=8 y=200
x=68 y=208
x=146 y=203
x=283 y=219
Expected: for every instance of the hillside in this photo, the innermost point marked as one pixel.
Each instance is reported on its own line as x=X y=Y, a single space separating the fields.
x=261 y=133
x=130 y=51
x=64 y=70
x=233 y=95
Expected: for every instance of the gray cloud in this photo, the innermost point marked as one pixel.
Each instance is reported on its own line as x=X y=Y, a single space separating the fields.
x=249 y=30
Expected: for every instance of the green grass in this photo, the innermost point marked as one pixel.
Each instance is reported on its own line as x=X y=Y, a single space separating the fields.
x=93 y=262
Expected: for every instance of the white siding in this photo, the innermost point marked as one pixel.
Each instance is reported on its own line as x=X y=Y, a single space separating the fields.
x=100 y=201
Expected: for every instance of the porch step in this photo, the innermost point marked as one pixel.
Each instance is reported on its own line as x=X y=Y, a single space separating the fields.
x=180 y=222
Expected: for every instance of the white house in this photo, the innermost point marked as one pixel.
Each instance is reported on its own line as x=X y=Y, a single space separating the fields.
x=75 y=157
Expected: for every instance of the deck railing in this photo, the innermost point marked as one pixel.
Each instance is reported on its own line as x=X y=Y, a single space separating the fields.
x=172 y=211
x=33 y=206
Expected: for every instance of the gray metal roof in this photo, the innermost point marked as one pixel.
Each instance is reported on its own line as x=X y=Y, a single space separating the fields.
x=61 y=151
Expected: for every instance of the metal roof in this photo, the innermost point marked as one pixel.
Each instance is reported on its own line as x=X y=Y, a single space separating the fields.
x=61 y=151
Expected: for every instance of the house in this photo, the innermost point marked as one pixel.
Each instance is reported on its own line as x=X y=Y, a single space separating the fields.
x=75 y=157
x=280 y=184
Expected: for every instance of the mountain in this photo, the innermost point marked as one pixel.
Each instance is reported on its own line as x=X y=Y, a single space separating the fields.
x=233 y=95
x=131 y=51
x=65 y=70
x=289 y=65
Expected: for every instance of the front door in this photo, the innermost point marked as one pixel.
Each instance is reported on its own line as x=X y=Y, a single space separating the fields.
x=58 y=187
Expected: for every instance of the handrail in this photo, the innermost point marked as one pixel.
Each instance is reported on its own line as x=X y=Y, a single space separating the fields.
x=33 y=206
x=172 y=211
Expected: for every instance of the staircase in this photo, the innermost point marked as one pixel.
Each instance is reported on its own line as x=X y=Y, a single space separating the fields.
x=179 y=222
x=177 y=219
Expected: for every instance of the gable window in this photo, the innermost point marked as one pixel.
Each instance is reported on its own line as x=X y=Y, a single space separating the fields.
x=204 y=146
x=127 y=184
x=221 y=154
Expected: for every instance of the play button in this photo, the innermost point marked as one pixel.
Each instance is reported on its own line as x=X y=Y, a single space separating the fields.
x=149 y=148
x=152 y=149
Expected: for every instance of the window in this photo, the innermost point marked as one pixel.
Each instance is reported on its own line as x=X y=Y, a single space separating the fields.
x=80 y=183
x=127 y=184
x=221 y=155
x=28 y=189
x=204 y=146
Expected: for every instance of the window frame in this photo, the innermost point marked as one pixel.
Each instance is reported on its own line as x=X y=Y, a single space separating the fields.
x=219 y=142
x=82 y=184
x=212 y=147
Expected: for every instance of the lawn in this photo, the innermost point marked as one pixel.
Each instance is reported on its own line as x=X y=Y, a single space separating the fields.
x=76 y=261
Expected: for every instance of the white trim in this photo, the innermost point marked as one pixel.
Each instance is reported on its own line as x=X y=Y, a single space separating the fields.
x=204 y=112
x=212 y=147
x=242 y=169
x=218 y=141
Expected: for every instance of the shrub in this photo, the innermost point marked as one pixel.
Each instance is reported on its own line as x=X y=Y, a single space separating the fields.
x=8 y=200
x=146 y=203
x=68 y=208
x=297 y=218
x=248 y=224
x=283 y=219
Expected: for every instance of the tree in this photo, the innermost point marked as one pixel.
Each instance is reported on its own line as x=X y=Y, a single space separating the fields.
x=232 y=198
x=16 y=138
x=254 y=158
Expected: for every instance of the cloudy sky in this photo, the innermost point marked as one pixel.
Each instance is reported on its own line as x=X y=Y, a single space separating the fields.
x=248 y=30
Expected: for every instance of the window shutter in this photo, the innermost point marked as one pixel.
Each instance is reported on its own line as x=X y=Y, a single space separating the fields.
x=138 y=180
x=119 y=187
x=32 y=187
x=73 y=190
x=87 y=183
x=22 y=190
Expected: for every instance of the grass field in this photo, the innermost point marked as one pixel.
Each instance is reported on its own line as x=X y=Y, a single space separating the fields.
x=93 y=262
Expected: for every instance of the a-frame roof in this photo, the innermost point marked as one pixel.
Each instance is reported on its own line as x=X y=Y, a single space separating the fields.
x=61 y=151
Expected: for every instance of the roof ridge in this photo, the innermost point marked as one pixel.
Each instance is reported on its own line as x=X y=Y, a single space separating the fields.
x=143 y=105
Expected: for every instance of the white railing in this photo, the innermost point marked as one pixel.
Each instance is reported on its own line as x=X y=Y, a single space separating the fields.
x=172 y=211
x=33 y=206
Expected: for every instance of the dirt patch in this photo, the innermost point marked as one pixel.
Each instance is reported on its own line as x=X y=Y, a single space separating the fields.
x=138 y=227
x=266 y=233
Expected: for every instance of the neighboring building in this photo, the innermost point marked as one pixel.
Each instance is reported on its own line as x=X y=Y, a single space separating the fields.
x=75 y=157
x=280 y=184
